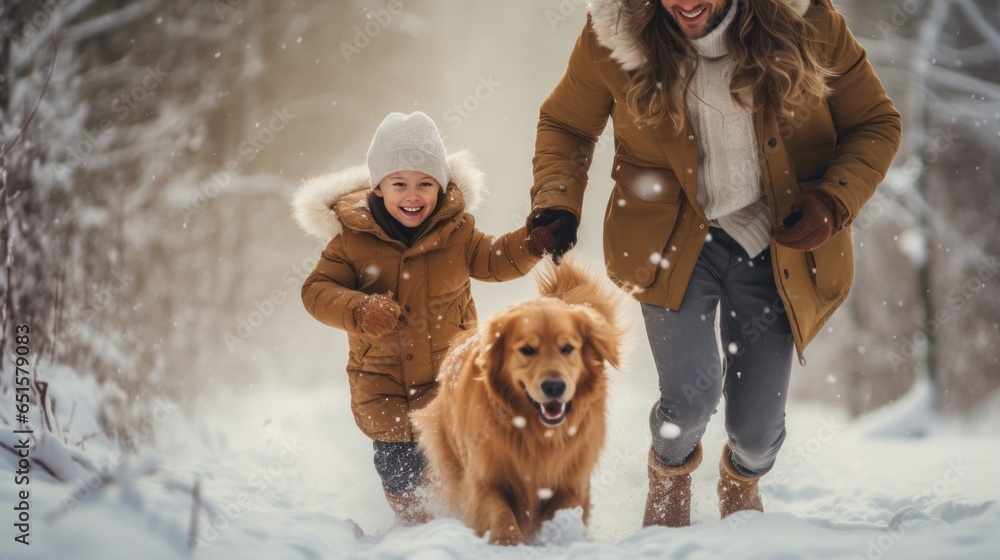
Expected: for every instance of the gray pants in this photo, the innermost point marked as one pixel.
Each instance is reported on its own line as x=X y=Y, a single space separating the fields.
x=753 y=372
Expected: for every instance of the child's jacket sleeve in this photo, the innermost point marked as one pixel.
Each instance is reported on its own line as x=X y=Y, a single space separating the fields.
x=330 y=293
x=500 y=258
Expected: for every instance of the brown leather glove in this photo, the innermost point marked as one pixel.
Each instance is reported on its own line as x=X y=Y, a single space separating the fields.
x=379 y=315
x=815 y=218
x=542 y=239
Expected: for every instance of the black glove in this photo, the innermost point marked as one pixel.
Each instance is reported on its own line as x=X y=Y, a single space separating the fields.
x=565 y=235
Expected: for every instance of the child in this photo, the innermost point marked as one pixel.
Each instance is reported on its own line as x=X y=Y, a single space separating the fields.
x=395 y=276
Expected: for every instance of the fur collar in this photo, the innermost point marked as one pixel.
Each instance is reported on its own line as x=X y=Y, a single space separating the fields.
x=313 y=204
x=607 y=16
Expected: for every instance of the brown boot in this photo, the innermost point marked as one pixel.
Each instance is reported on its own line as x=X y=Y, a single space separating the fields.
x=409 y=508
x=669 y=501
x=737 y=492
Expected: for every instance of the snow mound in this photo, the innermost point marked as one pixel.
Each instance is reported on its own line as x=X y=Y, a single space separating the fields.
x=912 y=415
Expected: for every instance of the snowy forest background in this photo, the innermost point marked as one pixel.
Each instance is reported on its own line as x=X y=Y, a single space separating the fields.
x=139 y=257
x=149 y=149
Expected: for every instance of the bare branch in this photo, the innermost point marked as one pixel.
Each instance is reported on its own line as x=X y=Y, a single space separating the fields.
x=55 y=23
x=34 y=460
x=110 y=20
x=195 y=508
x=979 y=22
x=965 y=83
x=45 y=86
x=970 y=56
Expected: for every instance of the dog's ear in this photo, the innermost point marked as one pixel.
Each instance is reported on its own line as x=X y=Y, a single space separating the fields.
x=601 y=340
x=493 y=341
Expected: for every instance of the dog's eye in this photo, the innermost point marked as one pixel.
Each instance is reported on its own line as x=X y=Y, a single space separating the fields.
x=528 y=350
x=567 y=349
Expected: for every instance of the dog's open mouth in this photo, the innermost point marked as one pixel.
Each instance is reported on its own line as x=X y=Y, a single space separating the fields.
x=552 y=412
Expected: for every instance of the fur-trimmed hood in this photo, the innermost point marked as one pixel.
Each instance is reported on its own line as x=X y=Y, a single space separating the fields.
x=608 y=16
x=314 y=204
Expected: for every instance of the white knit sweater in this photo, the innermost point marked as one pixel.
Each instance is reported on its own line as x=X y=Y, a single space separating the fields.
x=729 y=182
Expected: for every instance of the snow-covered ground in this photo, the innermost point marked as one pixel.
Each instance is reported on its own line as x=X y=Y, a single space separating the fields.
x=284 y=474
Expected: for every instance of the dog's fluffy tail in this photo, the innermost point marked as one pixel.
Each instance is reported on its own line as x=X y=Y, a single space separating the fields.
x=579 y=286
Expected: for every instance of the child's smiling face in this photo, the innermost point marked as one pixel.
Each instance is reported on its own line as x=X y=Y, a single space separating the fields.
x=409 y=196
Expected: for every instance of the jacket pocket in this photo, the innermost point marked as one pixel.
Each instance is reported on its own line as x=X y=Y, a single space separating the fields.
x=831 y=266
x=421 y=395
x=639 y=221
x=358 y=349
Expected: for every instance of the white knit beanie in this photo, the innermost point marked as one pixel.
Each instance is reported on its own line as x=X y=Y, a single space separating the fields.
x=408 y=143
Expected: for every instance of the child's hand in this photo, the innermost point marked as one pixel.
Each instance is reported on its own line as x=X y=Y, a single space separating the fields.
x=542 y=239
x=561 y=225
x=379 y=315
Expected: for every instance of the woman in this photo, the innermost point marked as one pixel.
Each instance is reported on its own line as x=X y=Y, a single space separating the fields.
x=748 y=135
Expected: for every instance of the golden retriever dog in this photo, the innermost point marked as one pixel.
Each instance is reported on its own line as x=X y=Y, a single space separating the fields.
x=519 y=419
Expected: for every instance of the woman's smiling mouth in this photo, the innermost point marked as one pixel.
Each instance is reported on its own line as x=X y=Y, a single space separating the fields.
x=692 y=15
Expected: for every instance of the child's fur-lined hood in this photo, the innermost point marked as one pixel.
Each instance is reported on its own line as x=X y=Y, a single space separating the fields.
x=313 y=204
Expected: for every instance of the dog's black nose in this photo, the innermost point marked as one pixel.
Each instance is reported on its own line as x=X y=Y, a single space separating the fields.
x=553 y=388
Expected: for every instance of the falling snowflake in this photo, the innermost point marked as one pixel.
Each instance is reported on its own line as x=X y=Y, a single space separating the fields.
x=520 y=422
x=669 y=430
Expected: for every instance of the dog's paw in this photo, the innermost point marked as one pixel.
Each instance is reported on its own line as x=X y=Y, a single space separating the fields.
x=509 y=536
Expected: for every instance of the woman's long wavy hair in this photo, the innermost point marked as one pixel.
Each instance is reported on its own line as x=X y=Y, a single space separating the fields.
x=779 y=61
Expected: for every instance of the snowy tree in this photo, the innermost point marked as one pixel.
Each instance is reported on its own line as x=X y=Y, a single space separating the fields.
x=923 y=305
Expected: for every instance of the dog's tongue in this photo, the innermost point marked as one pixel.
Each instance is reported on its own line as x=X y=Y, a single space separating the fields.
x=553 y=409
